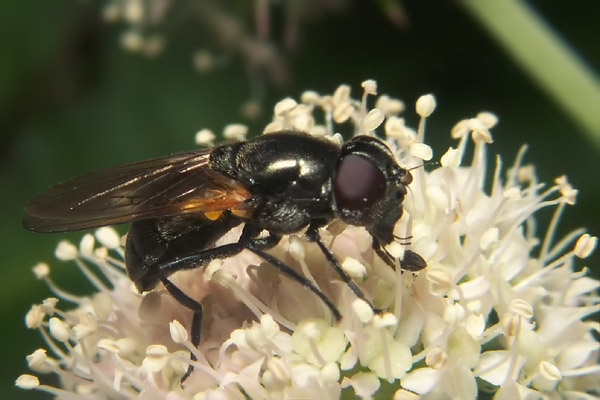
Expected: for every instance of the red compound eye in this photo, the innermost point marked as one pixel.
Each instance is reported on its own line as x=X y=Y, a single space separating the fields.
x=358 y=183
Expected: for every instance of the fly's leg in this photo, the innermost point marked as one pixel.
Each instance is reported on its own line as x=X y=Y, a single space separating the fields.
x=312 y=234
x=383 y=254
x=301 y=279
x=411 y=261
x=196 y=308
x=197 y=260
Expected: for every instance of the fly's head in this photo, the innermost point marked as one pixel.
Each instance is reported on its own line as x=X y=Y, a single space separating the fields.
x=369 y=186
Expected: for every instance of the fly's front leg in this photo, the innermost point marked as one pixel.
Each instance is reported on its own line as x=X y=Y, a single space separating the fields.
x=312 y=234
x=383 y=254
x=411 y=261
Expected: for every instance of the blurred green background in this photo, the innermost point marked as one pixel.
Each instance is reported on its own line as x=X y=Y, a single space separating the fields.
x=72 y=100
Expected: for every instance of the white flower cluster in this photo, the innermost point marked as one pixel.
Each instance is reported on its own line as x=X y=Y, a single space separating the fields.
x=497 y=309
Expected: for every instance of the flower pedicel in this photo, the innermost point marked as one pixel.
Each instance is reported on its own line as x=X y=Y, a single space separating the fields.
x=486 y=314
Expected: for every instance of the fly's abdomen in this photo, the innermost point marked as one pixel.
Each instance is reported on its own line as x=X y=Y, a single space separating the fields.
x=156 y=242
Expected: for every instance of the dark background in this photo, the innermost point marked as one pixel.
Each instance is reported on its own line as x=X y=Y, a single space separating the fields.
x=72 y=100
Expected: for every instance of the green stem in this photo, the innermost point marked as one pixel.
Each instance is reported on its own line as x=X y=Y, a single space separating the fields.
x=545 y=56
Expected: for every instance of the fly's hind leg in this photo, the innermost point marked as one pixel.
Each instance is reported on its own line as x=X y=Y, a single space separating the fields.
x=191 y=261
x=196 y=308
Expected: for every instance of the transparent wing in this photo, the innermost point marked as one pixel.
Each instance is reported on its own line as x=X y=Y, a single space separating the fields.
x=171 y=185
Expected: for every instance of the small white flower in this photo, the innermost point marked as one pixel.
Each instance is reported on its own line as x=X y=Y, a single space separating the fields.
x=65 y=251
x=108 y=237
x=422 y=151
x=35 y=317
x=178 y=332
x=41 y=270
x=310 y=97
x=342 y=112
x=425 y=105
x=27 y=381
x=585 y=245
x=341 y=95
x=205 y=137
x=389 y=106
x=285 y=106
x=369 y=86
x=353 y=267
x=87 y=326
x=86 y=245
x=58 y=329
x=363 y=310
x=365 y=384
x=157 y=357
x=373 y=119
x=235 y=132
x=39 y=361
x=496 y=306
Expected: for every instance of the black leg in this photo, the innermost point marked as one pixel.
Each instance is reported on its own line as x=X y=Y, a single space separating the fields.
x=280 y=265
x=383 y=254
x=312 y=235
x=258 y=245
x=202 y=257
x=196 y=307
x=410 y=262
x=195 y=260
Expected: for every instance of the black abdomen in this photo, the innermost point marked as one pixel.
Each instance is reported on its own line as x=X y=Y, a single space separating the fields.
x=154 y=242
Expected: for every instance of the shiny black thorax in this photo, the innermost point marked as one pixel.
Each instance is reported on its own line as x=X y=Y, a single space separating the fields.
x=293 y=183
x=289 y=176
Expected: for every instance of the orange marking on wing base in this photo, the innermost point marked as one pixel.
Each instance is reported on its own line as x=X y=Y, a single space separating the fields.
x=216 y=202
x=213 y=215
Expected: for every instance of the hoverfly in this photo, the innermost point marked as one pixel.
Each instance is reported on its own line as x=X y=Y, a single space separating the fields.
x=278 y=184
